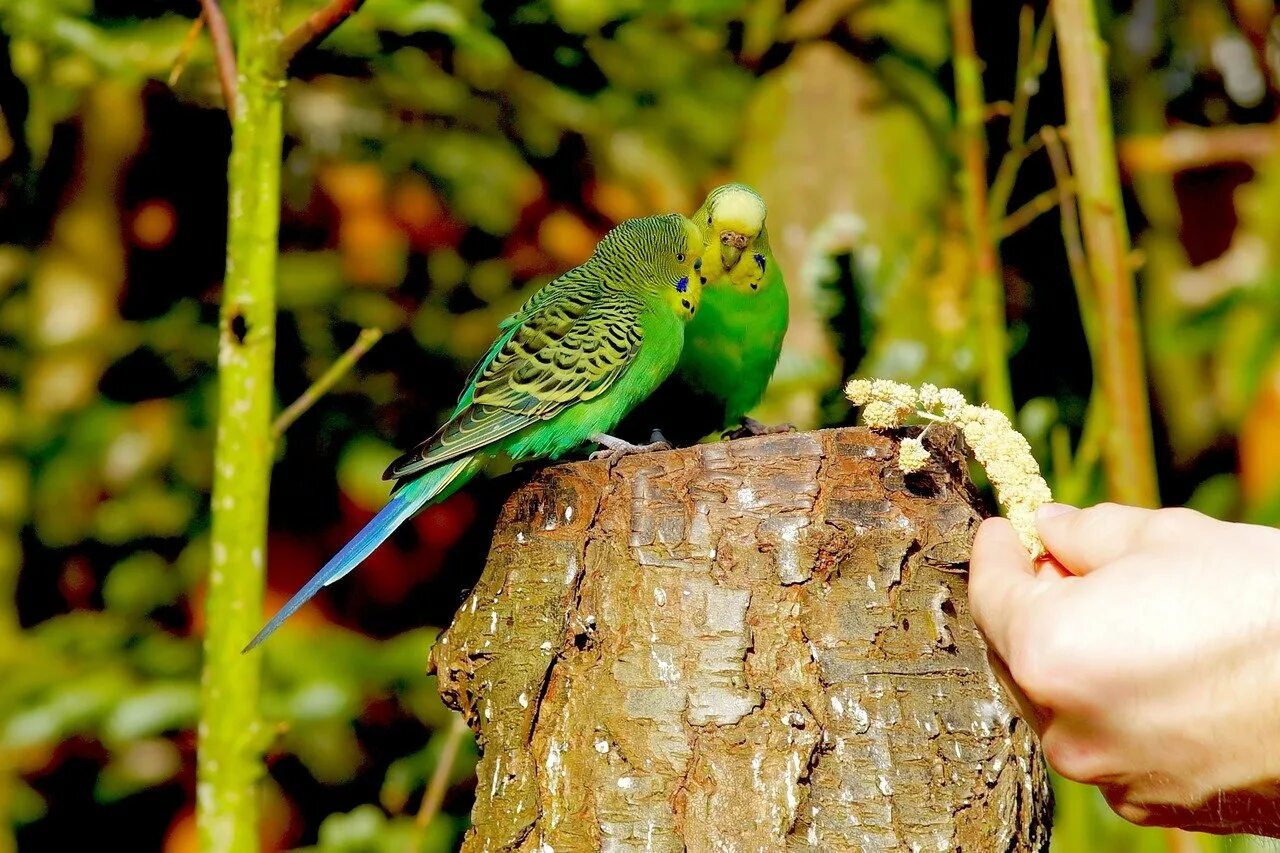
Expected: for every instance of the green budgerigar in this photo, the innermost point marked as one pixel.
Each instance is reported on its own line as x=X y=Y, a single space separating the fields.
x=732 y=346
x=565 y=369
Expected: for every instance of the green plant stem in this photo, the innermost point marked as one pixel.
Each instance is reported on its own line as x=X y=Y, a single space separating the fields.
x=308 y=398
x=1073 y=488
x=988 y=289
x=1077 y=257
x=1033 y=57
x=1129 y=457
x=438 y=785
x=1034 y=209
x=231 y=732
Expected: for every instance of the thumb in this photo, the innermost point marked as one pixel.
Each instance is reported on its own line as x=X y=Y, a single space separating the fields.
x=1083 y=540
x=1001 y=578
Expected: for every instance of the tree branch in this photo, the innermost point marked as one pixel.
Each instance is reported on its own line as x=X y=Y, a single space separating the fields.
x=1033 y=57
x=224 y=53
x=184 y=51
x=988 y=289
x=1077 y=260
x=433 y=798
x=314 y=29
x=1198 y=147
x=1035 y=208
x=1130 y=455
x=327 y=380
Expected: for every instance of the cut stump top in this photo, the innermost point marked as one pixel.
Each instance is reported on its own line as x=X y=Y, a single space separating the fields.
x=752 y=645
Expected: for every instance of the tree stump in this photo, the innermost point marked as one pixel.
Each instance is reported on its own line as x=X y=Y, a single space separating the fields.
x=754 y=645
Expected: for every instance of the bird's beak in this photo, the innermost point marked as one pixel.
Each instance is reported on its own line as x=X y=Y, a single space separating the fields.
x=731 y=245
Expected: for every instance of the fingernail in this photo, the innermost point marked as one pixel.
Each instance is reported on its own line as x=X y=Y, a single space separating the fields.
x=1048 y=511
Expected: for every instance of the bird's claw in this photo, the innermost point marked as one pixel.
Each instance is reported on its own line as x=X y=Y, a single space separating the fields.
x=752 y=427
x=614 y=449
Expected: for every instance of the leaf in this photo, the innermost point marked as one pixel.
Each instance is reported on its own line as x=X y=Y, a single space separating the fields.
x=135 y=767
x=153 y=710
x=25 y=804
x=140 y=583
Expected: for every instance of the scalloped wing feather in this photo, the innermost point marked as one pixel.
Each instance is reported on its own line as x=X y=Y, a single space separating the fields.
x=567 y=350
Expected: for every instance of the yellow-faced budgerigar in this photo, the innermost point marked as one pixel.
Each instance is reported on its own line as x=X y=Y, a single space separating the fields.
x=566 y=367
x=732 y=345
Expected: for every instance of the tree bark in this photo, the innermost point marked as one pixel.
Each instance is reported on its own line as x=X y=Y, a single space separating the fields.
x=755 y=645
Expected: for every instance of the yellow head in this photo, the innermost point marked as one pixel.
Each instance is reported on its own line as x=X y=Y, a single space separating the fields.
x=687 y=292
x=678 y=252
x=734 y=239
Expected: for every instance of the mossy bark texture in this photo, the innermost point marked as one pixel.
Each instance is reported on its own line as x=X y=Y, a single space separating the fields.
x=755 y=645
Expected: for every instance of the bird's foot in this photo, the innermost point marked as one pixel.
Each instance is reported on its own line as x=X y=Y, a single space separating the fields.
x=613 y=449
x=752 y=427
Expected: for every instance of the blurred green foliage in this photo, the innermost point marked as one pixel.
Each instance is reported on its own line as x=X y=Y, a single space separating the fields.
x=443 y=159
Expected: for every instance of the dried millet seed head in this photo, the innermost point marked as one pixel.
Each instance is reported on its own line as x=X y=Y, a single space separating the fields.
x=1002 y=451
x=912 y=455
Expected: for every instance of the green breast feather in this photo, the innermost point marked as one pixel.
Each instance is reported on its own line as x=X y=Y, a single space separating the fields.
x=733 y=344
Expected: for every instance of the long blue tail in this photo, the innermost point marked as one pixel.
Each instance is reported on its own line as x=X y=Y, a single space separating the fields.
x=432 y=485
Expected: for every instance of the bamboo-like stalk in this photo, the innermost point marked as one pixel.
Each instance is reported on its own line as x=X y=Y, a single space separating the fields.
x=231 y=732
x=1129 y=457
x=988 y=289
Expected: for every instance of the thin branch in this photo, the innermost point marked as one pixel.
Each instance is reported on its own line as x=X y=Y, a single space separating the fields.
x=314 y=29
x=997 y=109
x=1033 y=58
x=439 y=784
x=184 y=51
x=1130 y=454
x=1077 y=260
x=1036 y=207
x=224 y=53
x=327 y=380
x=988 y=289
x=1072 y=488
x=1198 y=147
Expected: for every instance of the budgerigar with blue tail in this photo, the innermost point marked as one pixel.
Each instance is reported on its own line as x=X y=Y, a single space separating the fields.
x=565 y=369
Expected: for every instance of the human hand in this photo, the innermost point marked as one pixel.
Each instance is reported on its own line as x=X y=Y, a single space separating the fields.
x=1146 y=652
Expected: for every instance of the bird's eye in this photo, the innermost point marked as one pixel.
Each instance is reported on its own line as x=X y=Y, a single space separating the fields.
x=708 y=219
x=680 y=257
